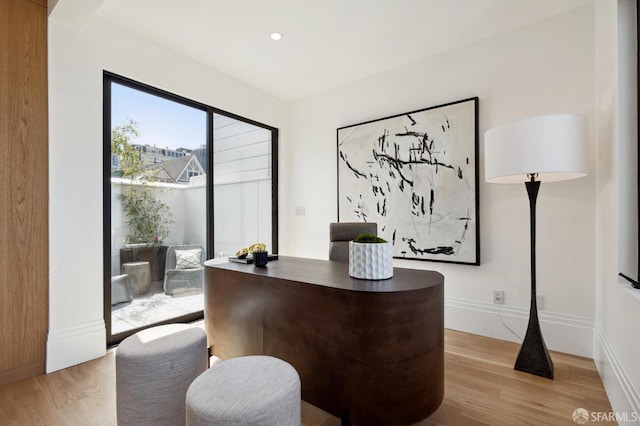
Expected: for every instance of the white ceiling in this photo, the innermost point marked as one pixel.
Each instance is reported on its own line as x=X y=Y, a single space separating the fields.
x=326 y=42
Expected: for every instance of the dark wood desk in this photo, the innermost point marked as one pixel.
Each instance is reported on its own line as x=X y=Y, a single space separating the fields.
x=372 y=350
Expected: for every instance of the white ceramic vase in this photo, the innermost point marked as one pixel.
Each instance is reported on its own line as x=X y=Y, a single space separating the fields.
x=370 y=261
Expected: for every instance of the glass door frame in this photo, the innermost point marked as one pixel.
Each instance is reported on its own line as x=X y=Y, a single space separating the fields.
x=108 y=79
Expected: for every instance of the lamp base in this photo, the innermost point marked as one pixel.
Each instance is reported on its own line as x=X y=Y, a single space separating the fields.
x=534 y=357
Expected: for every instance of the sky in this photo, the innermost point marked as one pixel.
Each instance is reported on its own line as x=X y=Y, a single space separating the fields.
x=161 y=122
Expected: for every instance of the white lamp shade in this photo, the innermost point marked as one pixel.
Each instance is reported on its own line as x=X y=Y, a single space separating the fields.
x=553 y=146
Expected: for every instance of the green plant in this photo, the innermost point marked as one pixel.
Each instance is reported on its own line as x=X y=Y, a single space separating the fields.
x=148 y=216
x=130 y=164
x=368 y=238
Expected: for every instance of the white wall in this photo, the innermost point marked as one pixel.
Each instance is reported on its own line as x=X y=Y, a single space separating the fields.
x=540 y=69
x=77 y=58
x=616 y=344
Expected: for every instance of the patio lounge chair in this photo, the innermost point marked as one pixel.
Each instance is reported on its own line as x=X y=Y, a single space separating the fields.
x=184 y=271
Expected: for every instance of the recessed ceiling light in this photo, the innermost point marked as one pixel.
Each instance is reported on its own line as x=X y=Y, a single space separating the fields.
x=275 y=36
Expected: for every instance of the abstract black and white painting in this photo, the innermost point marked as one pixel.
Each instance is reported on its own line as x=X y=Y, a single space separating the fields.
x=415 y=175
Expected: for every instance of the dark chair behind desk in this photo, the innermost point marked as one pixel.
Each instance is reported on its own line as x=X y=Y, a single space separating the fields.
x=341 y=233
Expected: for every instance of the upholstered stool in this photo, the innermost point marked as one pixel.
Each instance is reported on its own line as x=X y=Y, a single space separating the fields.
x=154 y=369
x=252 y=390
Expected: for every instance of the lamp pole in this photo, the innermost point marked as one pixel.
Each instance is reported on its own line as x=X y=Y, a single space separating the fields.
x=534 y=357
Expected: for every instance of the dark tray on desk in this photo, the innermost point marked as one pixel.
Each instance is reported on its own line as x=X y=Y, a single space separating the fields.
x=249 y=259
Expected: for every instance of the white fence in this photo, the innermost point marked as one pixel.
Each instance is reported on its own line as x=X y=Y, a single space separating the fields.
x=241 y=215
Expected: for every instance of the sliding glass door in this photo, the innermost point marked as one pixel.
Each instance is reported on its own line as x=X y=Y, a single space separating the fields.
x=184 y=182
x=243 y=206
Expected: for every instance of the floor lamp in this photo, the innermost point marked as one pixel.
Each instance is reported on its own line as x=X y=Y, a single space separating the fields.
x=537 y=149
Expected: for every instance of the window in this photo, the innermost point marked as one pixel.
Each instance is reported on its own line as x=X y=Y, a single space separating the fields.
x=629 y=159
x=198 y=207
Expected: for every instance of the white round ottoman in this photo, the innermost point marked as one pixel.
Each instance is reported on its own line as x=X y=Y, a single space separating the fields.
x=154 y=369
x=251 y=390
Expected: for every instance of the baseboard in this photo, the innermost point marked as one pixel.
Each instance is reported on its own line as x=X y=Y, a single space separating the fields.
x=623 y=395
x=564 y=333
x=73 y=345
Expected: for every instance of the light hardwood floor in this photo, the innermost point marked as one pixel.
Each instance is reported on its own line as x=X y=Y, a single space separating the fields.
x=481 y=388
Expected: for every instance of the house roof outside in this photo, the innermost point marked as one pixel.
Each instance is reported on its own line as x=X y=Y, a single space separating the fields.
x=177 y=170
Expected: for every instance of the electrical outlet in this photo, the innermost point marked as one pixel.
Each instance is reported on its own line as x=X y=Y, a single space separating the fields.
x=540 y=302
x=498 y=297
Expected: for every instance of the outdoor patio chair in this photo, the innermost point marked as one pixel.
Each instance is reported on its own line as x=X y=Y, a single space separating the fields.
x=121 y=289
x=184 y=271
